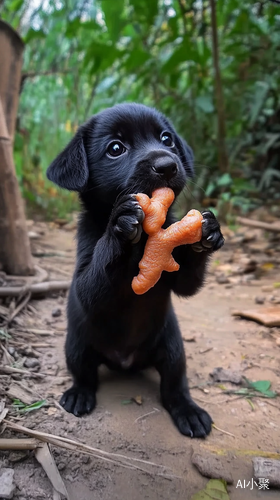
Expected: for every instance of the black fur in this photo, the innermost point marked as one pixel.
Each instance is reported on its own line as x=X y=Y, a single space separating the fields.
x=107 y=322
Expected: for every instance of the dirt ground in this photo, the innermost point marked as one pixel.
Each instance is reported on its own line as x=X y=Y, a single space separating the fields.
x=213 y=338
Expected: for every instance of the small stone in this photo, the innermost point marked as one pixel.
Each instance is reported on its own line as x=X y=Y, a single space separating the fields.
x=11 y=350
x=268 y=469
x=222 y=279
x=7 y=486
x=61 y=466
x=259 y=299
x=31 y=363
x=56 y=312
x=222 y=375
x=267 y=288
x=211 y=466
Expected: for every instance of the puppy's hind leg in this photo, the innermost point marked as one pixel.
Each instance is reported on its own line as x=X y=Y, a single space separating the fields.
x=189 y=418
x=82 y=362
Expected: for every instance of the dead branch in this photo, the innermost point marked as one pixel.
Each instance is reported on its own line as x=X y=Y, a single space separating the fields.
x=19 y=308
x=11 y=370
x=35 y=289
x=18 y=444
x=267 y=226
x=115 y=458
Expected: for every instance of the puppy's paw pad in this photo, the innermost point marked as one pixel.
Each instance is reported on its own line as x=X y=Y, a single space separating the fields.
x=78 y=400
x=192 y=420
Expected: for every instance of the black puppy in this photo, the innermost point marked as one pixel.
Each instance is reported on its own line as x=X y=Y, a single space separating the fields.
x=124 y=150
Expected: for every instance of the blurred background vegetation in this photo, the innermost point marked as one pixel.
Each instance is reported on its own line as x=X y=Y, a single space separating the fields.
x=84 y=55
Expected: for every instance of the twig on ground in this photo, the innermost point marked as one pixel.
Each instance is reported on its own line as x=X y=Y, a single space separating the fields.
x=155 y=410
x=10 y=370
x=9 y=358
x=19 y=308
x=221 y=430
x=18 y=444
x=115 y=458
x=25 y=330
x=267 y=226
x=36 y=288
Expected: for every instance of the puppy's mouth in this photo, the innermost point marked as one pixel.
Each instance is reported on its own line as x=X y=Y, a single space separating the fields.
x=149 y=185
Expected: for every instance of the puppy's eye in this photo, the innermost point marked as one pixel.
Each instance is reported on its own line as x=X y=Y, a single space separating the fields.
x=115 y=149
x=166 y=139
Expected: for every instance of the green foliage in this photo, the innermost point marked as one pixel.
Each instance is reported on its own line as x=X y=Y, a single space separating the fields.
x=83 y=56
x=23 y=408
x=216 y=489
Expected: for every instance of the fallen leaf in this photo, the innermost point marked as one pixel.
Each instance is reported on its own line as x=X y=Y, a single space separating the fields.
x=138 y=400
x=3 y=410
x=45 y=458
x=216 y=489
x=51 y=410
x=189 y=339
x=267 y=266
x=268 y=316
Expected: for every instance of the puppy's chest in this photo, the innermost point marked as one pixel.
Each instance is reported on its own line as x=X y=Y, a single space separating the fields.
x=125 y=325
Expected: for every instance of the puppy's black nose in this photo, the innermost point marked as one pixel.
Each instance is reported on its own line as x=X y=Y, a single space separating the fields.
x=166 y=167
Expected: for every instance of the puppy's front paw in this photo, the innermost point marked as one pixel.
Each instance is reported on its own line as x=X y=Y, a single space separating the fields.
x=78 y=400
x=126 y=219
x=212 y=238
x=190 y=419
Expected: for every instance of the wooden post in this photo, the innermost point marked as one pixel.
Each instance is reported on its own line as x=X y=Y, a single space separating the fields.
x=15 y=252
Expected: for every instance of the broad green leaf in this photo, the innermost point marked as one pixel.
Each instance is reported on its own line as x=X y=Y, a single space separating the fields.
x=205 y=103
x=216 y=489
x=210 y=188
x=34 y=34
x=260 y=385
x=136 y=59
x=262 y=89
x=113 y=10
x=144 y=9
x=224 y=180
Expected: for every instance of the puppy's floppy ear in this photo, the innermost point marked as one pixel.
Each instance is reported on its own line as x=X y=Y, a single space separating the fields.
x=186 y=154
x=70 y=169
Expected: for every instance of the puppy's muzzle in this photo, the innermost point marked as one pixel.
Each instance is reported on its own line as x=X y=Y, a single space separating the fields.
x=165 y=167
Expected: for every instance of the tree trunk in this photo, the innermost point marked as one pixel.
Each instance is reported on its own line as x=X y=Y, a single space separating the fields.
x=15 y=252
x=222 y=152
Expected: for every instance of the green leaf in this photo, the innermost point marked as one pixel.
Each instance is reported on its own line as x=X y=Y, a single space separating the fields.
x=205 y=103
x=33 y=34
x=145 y=10
x=260 y=385
x=216 y=489
x=4 y=335
x=224 y=180
x=262 y=89
x=136 y=59
x=113 y=17
x=127 y=401
x=23 y=408
x=210 y=188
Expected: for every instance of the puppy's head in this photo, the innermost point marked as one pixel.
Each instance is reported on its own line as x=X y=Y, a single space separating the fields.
x=129 y=148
